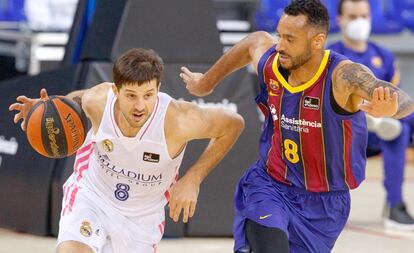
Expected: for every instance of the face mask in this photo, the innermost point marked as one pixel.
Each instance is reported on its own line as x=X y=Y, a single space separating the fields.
x=358 y=29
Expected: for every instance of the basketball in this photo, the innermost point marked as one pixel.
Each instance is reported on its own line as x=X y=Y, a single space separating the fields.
x=56 y=127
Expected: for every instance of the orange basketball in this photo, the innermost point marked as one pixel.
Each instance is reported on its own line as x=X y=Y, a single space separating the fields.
x=56 y=127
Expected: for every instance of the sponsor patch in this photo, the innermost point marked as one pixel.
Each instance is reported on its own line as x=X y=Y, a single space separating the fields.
x=151 y=157
x=311 y=103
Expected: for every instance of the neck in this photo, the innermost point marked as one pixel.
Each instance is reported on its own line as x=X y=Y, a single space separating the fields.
x=305 y=72
x=358 y=46
x=123 y=124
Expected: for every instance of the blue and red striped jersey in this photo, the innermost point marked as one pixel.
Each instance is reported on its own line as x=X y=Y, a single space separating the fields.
x=304 y=141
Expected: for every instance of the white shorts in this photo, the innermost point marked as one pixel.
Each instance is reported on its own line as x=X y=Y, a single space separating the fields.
x=87 y=219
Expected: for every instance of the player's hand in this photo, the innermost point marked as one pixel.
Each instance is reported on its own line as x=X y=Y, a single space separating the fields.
x=24 y=105
x=183 y=197
x=383 y=103
x=194 y=82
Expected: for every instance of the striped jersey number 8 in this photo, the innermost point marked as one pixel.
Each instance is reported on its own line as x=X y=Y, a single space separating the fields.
x=291 y=150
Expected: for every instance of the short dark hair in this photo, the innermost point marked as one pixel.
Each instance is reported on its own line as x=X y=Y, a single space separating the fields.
x=314 y=10
x=341 y=4
x=137 y=66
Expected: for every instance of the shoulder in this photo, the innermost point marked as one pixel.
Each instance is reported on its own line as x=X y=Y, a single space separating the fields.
x=179 y=110
x=262 y=42
x=183 y=119
x=96 y=93
x=94 y=99
x=385 y=53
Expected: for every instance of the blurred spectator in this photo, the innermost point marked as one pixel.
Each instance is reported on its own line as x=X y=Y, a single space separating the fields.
x=354 y=18
x=50 y=15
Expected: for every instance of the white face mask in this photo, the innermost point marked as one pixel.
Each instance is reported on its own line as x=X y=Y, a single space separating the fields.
x=358 y=29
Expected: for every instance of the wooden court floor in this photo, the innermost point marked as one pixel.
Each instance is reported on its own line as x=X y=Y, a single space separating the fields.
x=363 y=234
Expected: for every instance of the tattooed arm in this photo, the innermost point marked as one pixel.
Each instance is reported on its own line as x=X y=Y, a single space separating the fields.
x=353 y=83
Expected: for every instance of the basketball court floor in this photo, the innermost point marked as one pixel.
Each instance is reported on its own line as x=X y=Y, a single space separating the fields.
x=363 y=234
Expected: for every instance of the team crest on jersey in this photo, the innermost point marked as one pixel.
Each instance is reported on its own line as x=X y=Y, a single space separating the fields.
x=311 y=103
x=151 y=157
x=86 y=229
x=107 y=145
x=273 y=84
x=376 y=61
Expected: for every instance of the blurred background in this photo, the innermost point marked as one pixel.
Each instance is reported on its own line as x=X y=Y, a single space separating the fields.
x=64 y=45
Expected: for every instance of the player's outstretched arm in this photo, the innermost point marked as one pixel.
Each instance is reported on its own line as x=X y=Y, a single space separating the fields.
x=222 y=127
x=23 y=106
x=248 y=50
x=383 y=99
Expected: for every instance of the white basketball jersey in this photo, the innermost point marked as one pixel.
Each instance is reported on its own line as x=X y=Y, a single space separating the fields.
x=133 y=174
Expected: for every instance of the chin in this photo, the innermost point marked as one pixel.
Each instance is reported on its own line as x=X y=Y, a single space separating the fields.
x=285 y=67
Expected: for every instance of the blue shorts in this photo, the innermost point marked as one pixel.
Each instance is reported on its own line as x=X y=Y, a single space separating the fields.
x=312 y=221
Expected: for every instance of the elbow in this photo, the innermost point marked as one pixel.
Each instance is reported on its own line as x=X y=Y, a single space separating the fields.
x=238 y=124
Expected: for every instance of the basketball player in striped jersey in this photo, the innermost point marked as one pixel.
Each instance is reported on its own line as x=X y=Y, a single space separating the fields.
x=295 y=197
x=127 y=169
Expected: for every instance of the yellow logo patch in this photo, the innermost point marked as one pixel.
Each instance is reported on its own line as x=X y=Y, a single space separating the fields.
x=107 y=145
x=274 y=85
x=86 y=229
x=376 y=61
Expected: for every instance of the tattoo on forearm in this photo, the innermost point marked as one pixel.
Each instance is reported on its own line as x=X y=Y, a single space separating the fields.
x=358 y=77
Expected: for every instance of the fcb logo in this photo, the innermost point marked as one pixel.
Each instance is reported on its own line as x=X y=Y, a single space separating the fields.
x=273 y=84
x=86 y=229
x=311 y=103
x=376 y=61
x=107 y=145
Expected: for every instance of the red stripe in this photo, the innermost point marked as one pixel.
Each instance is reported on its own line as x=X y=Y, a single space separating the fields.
x=112 y=115
x=83 y=149
x=73 y=197
x=64 y=190
x=167 y=195
x=82 y=159
x=312 y=143
x=161 y=227
x=67 y=191
x=81 y=170
x=68 y=207
x=276 y=167
x=152 y=117
x=349 y=175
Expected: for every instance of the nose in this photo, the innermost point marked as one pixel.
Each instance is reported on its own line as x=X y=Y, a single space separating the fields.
x=280 y=46
x=139 y=105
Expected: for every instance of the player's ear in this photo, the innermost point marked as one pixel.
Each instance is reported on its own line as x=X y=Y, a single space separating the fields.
x=318 y=41
x=115 y=89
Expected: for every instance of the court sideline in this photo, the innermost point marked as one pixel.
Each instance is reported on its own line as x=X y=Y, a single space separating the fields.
x=363 y=233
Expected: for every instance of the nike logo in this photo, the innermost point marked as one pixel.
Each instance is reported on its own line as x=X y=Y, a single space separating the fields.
x=273 y=94
x=264 y=216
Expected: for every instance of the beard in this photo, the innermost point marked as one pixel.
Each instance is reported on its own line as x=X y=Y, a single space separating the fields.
x=298 y=61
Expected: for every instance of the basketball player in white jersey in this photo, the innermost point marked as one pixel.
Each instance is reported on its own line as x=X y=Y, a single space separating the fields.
x=127 y=169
